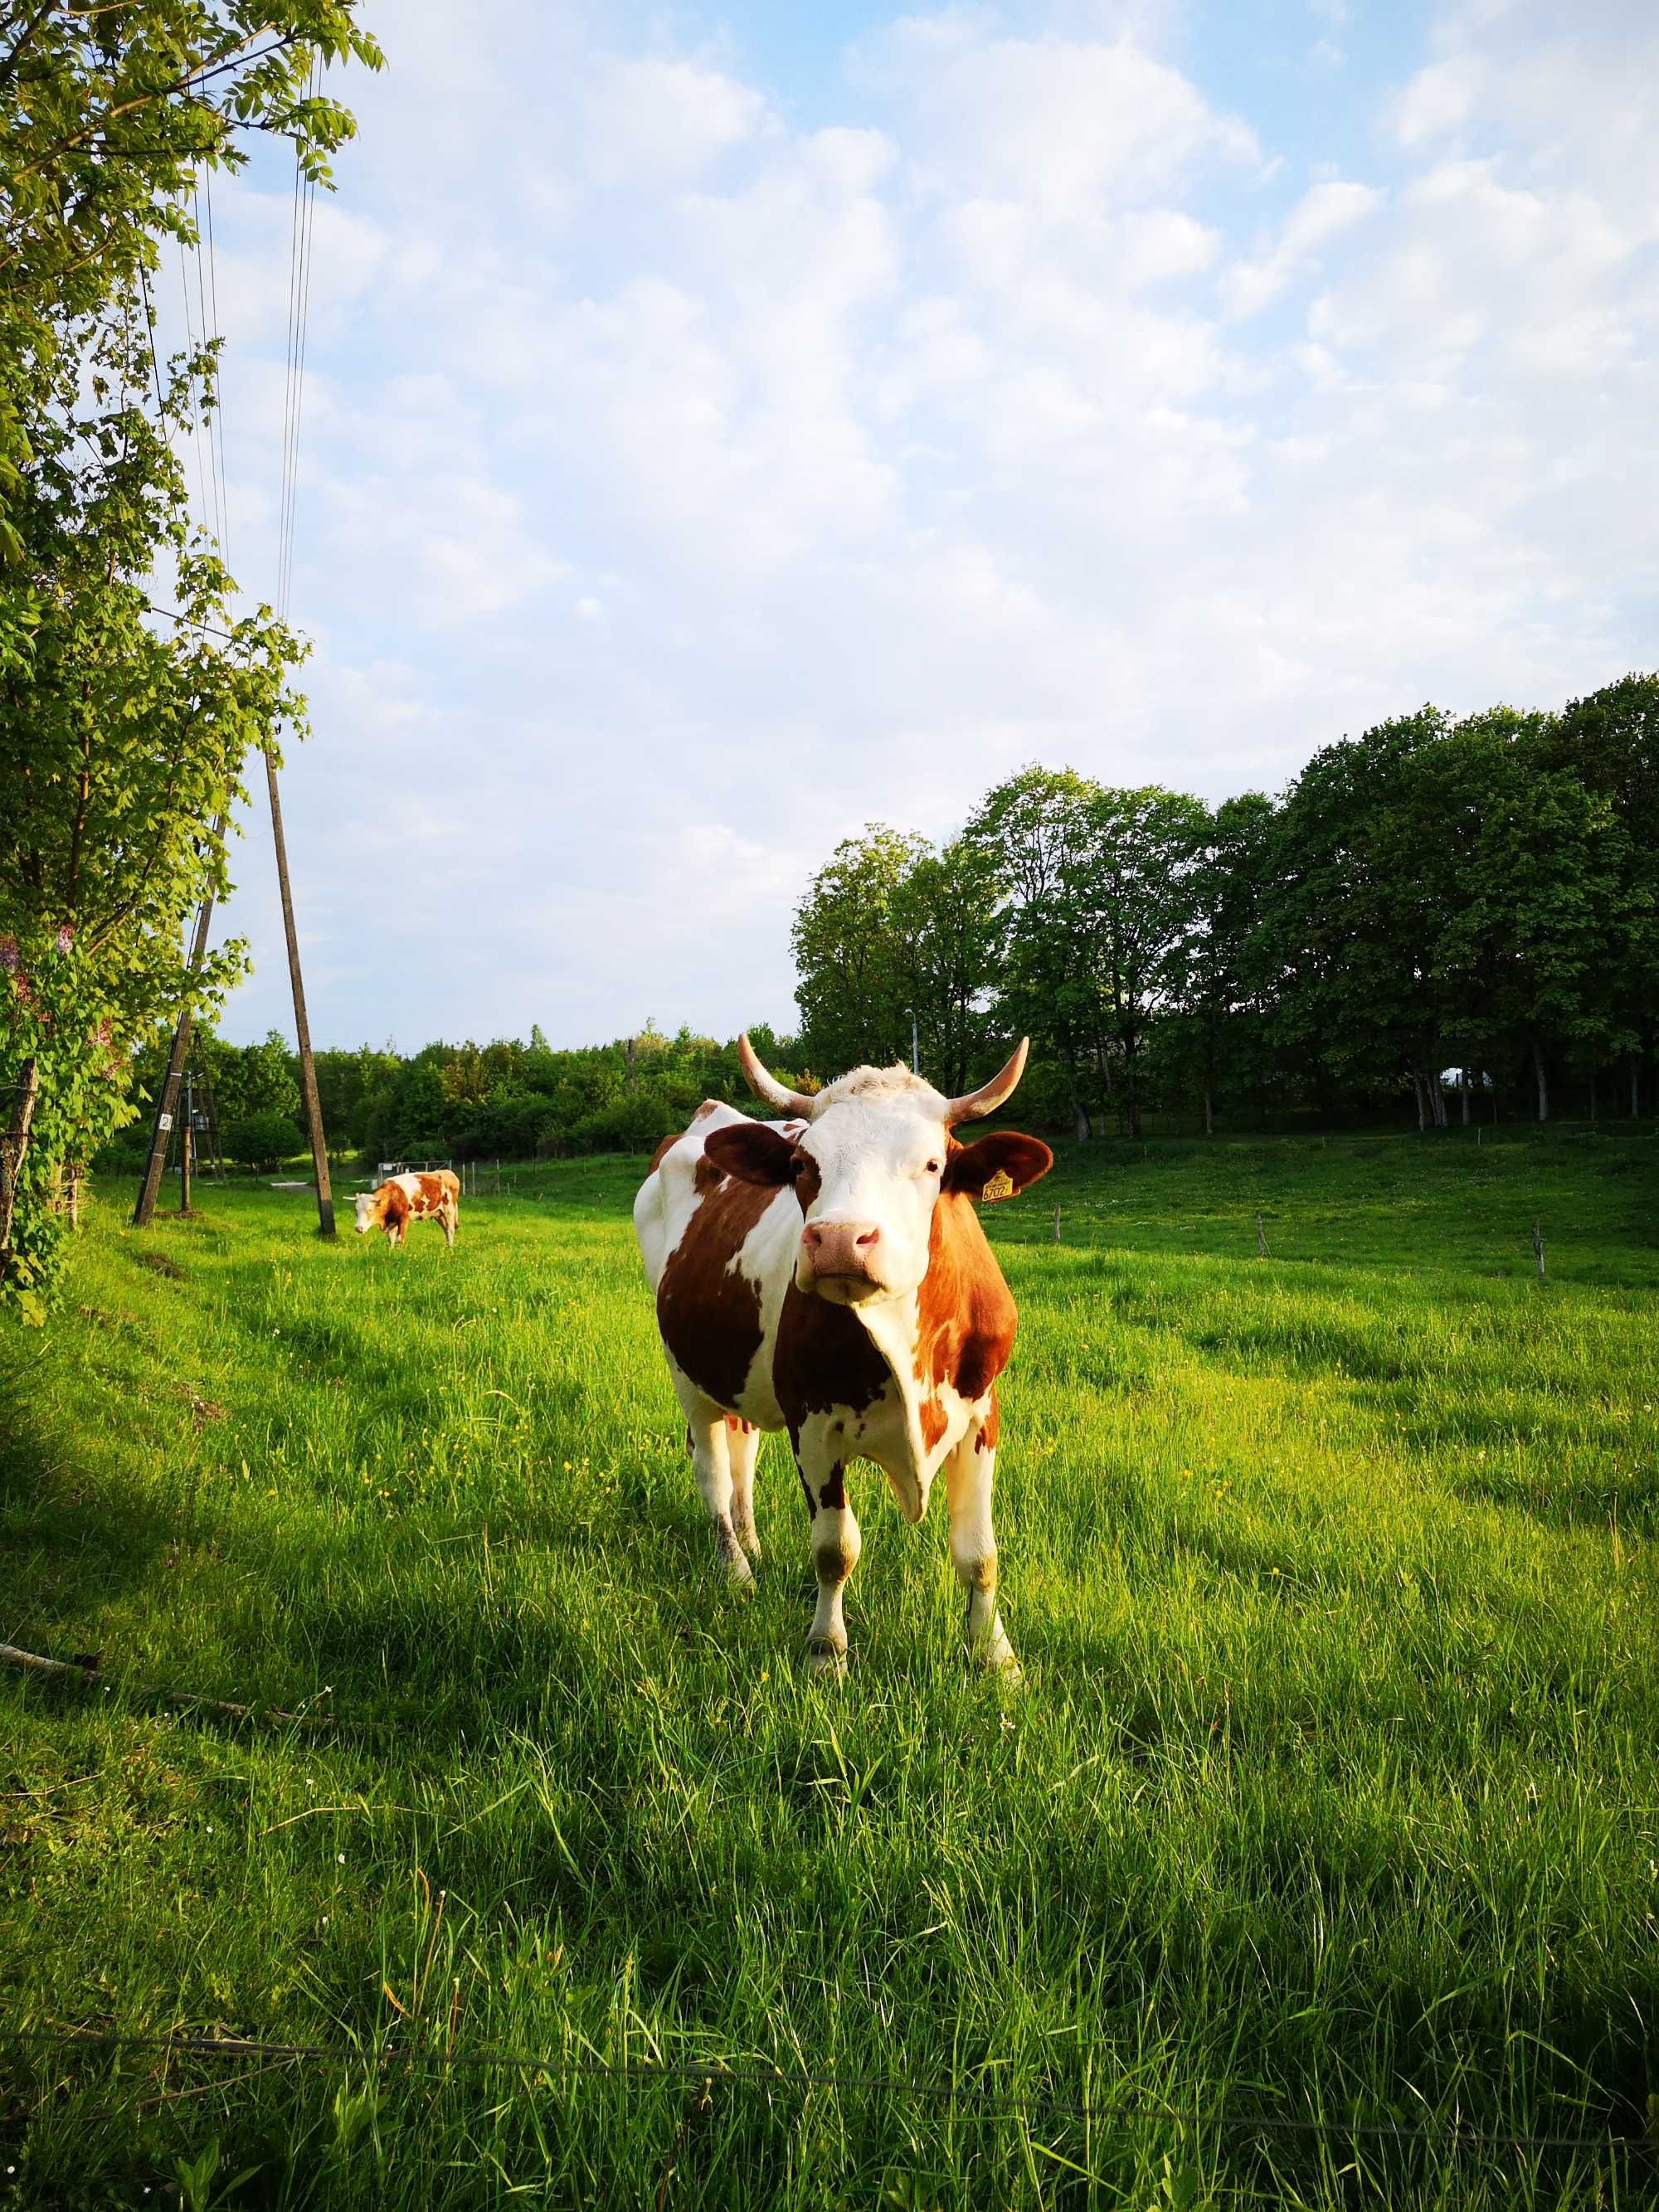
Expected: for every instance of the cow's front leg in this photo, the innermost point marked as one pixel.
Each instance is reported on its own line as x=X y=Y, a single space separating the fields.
x=968 y=1471
x=742 y=1450
x=836 y=1544
x=707 y=1435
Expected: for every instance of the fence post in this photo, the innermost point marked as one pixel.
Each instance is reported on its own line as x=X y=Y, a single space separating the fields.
x=1260 y=1241
x=1538 y=1249
x=1056 y=1225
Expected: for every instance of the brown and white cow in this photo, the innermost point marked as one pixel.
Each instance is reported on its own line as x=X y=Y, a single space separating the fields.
x=829 y=1275
x=406 y=1198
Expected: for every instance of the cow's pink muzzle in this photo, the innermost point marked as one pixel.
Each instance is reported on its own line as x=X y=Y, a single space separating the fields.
x=842 y=1252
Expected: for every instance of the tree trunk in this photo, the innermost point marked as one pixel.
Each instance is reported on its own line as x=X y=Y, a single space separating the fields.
x=16 y=1146
x=1437 y=1096
x=1635 y=1088
x=76 y=1178
x=1079 y=1119
x=1463 y=1092
x=1418 y=1088
x=1595 y=1116
x=1209 y=1113
x=1542 y=1074
x=1132 y=1099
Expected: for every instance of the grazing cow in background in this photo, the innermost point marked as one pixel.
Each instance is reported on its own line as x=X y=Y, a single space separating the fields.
x=829 y=1275
x=406 y=1198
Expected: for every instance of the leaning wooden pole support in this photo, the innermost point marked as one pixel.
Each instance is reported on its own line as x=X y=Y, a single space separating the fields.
x=301 y=1026
x=167 y=1104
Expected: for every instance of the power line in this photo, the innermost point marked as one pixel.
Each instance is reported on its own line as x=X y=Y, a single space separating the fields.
x=149 y=328
x=299 y=297
x=997 y=2103
x=208 y=511
x=189 y=621
x=215 y=428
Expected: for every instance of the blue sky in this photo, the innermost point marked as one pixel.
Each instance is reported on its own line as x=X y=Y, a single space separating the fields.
x=725 y=428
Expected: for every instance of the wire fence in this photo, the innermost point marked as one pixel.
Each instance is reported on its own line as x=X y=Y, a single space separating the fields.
x=713 y=2072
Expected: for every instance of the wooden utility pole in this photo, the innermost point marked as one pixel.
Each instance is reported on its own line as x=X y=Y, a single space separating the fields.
x=302 y=1028
x=166 y=1105
x=187 y=1130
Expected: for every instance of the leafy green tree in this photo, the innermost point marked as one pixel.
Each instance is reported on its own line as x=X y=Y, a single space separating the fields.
x=851 y=992
x=1033 y=830
x=948 y=930
x=120 y=749
x=1364 y=870
x=261 y=1140
x=1610 y=741
x=120 y=756
x=107 y=116
x=1212 y=1032
x=1132 y=892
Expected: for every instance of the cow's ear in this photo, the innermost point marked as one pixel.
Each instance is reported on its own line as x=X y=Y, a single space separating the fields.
x=752 y=1152
x=997 y=1166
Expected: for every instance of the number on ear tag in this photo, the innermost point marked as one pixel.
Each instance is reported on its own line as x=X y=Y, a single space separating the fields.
x=1001 y=1185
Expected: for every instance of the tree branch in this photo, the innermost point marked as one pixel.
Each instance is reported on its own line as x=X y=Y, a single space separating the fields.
x=9 y=66
x=198 y=74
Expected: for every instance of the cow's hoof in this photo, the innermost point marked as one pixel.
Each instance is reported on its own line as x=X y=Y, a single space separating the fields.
x=739 y=1575
x=826 y=1661
x=750 y=1542
x=998 y=1661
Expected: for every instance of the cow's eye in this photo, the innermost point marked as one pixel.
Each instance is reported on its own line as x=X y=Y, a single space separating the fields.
x=934 y=1167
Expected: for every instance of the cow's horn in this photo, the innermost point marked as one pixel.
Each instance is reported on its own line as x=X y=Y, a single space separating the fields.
x=989 y=1095
x=765 y=1084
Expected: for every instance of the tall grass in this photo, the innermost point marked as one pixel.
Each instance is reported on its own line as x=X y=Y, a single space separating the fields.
x=1329 y=1797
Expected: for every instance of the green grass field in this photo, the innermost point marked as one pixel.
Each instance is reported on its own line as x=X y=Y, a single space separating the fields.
x=1330 y=1796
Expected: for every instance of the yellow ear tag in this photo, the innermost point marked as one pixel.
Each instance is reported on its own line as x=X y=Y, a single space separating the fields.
x=1001 y=1185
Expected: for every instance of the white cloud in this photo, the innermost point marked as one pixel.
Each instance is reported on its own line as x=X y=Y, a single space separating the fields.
x=1323 y=214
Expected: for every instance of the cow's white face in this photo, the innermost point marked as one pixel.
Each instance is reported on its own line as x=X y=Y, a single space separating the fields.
x=364 y=1203
x=868 y=1179
x=868 y=1170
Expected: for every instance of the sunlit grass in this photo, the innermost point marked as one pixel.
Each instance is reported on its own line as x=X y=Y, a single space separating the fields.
x=1330 y=1792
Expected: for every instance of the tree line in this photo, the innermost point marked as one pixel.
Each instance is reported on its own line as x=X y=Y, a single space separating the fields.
x=507 y=1100
x=1476 y=894
x=1441 y=917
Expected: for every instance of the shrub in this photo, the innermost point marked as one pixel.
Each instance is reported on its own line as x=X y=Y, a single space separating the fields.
x=261 y=1142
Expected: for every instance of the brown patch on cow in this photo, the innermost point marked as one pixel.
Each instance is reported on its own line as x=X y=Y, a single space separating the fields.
x=985 y=1436
x=706 y=1176
x=392 y=1208
x=808 y=1181
x=433 y=1191
x=708 y=1312
x=824 y=1360
x=753 y=1151
x=833 y=1495
x=965 y=1312
x=708 y=1106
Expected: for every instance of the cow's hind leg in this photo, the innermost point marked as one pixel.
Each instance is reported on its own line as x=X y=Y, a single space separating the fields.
x=836 y=1544
x=743 y=1449
x=968 y=1471
x=707 y=1435
x=447 y=1215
